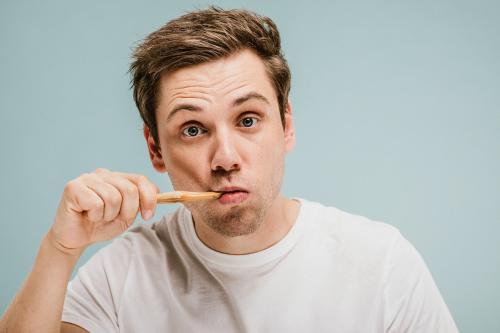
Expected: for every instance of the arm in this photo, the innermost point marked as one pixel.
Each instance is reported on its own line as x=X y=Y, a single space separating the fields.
x=413 y=302
x=38 y=305
x=70 y=328
x=94 y=207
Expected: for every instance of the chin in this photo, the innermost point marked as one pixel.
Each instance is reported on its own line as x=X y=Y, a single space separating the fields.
x=230 y=221
x=238 y=221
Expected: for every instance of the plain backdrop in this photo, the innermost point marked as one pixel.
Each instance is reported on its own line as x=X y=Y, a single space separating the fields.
x=396 y=106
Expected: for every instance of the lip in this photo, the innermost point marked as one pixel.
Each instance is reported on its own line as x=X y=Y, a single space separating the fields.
x=231 y=189
x=232 y=195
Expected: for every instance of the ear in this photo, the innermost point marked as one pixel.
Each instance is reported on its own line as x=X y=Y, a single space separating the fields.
x=289 y=128
x=154 y=155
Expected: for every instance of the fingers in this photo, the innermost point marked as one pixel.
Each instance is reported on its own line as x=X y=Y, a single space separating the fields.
x=106 y=195
x=110 y=196
x=85 y=200
x=137 y=191
x=130 y=197
x=147 y=193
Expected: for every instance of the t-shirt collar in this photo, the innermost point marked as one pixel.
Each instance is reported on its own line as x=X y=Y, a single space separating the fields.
x=263 y=257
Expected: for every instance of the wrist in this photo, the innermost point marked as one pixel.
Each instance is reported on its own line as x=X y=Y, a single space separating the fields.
x=53 y=244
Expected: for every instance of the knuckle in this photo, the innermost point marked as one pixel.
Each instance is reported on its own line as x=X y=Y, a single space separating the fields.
x=97 y=204
x=109 y=217
x=115 y=199
x=105 y=196
x=85 y=177
x=131 y=190
x=101 y=170
x=142 y=178
x=71 y=186
x=150 y=200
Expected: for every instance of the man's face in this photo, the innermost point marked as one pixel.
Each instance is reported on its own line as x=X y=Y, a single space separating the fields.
x=220 y=129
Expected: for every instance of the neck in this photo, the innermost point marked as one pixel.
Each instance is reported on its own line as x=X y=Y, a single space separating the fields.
x=278 y=221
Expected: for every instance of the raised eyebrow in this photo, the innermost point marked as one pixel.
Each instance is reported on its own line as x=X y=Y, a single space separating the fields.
x=249 y=96
x=183 y=107
x=238 y=101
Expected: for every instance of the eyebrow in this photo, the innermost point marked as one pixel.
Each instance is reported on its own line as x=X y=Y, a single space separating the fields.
x=249 y=96
x=184 y=106
x=238 y=101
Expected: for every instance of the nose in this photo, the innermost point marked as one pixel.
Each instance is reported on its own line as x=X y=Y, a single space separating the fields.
x=225 y=153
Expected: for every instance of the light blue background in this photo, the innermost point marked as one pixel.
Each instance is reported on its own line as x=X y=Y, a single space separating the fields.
x=396 y=106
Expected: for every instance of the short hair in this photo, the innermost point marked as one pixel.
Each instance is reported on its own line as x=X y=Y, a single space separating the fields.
x=203 y=36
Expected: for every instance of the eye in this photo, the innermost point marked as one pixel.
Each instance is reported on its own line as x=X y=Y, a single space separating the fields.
x=248 y=121
x=192 y=131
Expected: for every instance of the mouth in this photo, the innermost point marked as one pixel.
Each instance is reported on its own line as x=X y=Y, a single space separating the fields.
x=232 y=195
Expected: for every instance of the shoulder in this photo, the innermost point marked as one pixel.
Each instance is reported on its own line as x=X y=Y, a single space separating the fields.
x=94 y=295
x=350 y=230
x=360 y=244
x=106 y=271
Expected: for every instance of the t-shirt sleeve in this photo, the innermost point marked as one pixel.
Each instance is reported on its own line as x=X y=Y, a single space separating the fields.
x=412 y=300
x=93 y=296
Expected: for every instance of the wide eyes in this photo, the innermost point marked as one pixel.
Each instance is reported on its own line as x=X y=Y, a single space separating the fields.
x=248 y=121
x=192 y=130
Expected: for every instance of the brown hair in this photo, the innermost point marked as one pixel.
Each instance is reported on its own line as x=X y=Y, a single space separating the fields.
x=203 y=36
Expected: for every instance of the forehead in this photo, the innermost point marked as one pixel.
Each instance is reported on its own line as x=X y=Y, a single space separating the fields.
x=211 y=82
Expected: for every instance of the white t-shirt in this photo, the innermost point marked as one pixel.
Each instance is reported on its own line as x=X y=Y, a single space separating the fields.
x=332 y=272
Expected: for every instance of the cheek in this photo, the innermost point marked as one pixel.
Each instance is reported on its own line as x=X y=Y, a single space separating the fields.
x=274 y=145
x=270 y=153
x=185 y=168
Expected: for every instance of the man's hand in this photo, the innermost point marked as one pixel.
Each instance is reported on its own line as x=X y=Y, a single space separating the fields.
x=94 y=207
x=99 y=206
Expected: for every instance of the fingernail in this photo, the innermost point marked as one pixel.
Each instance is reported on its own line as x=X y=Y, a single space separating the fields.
x=148 y=214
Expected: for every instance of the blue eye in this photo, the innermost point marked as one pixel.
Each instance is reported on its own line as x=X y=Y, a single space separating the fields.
x=248 y=121
x=191 y=131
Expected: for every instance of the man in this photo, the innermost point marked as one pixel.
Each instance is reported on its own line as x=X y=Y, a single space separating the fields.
x=212 y=88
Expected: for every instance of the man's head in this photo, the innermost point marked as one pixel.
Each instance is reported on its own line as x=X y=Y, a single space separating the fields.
x=200 y=37
x=212 y=88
